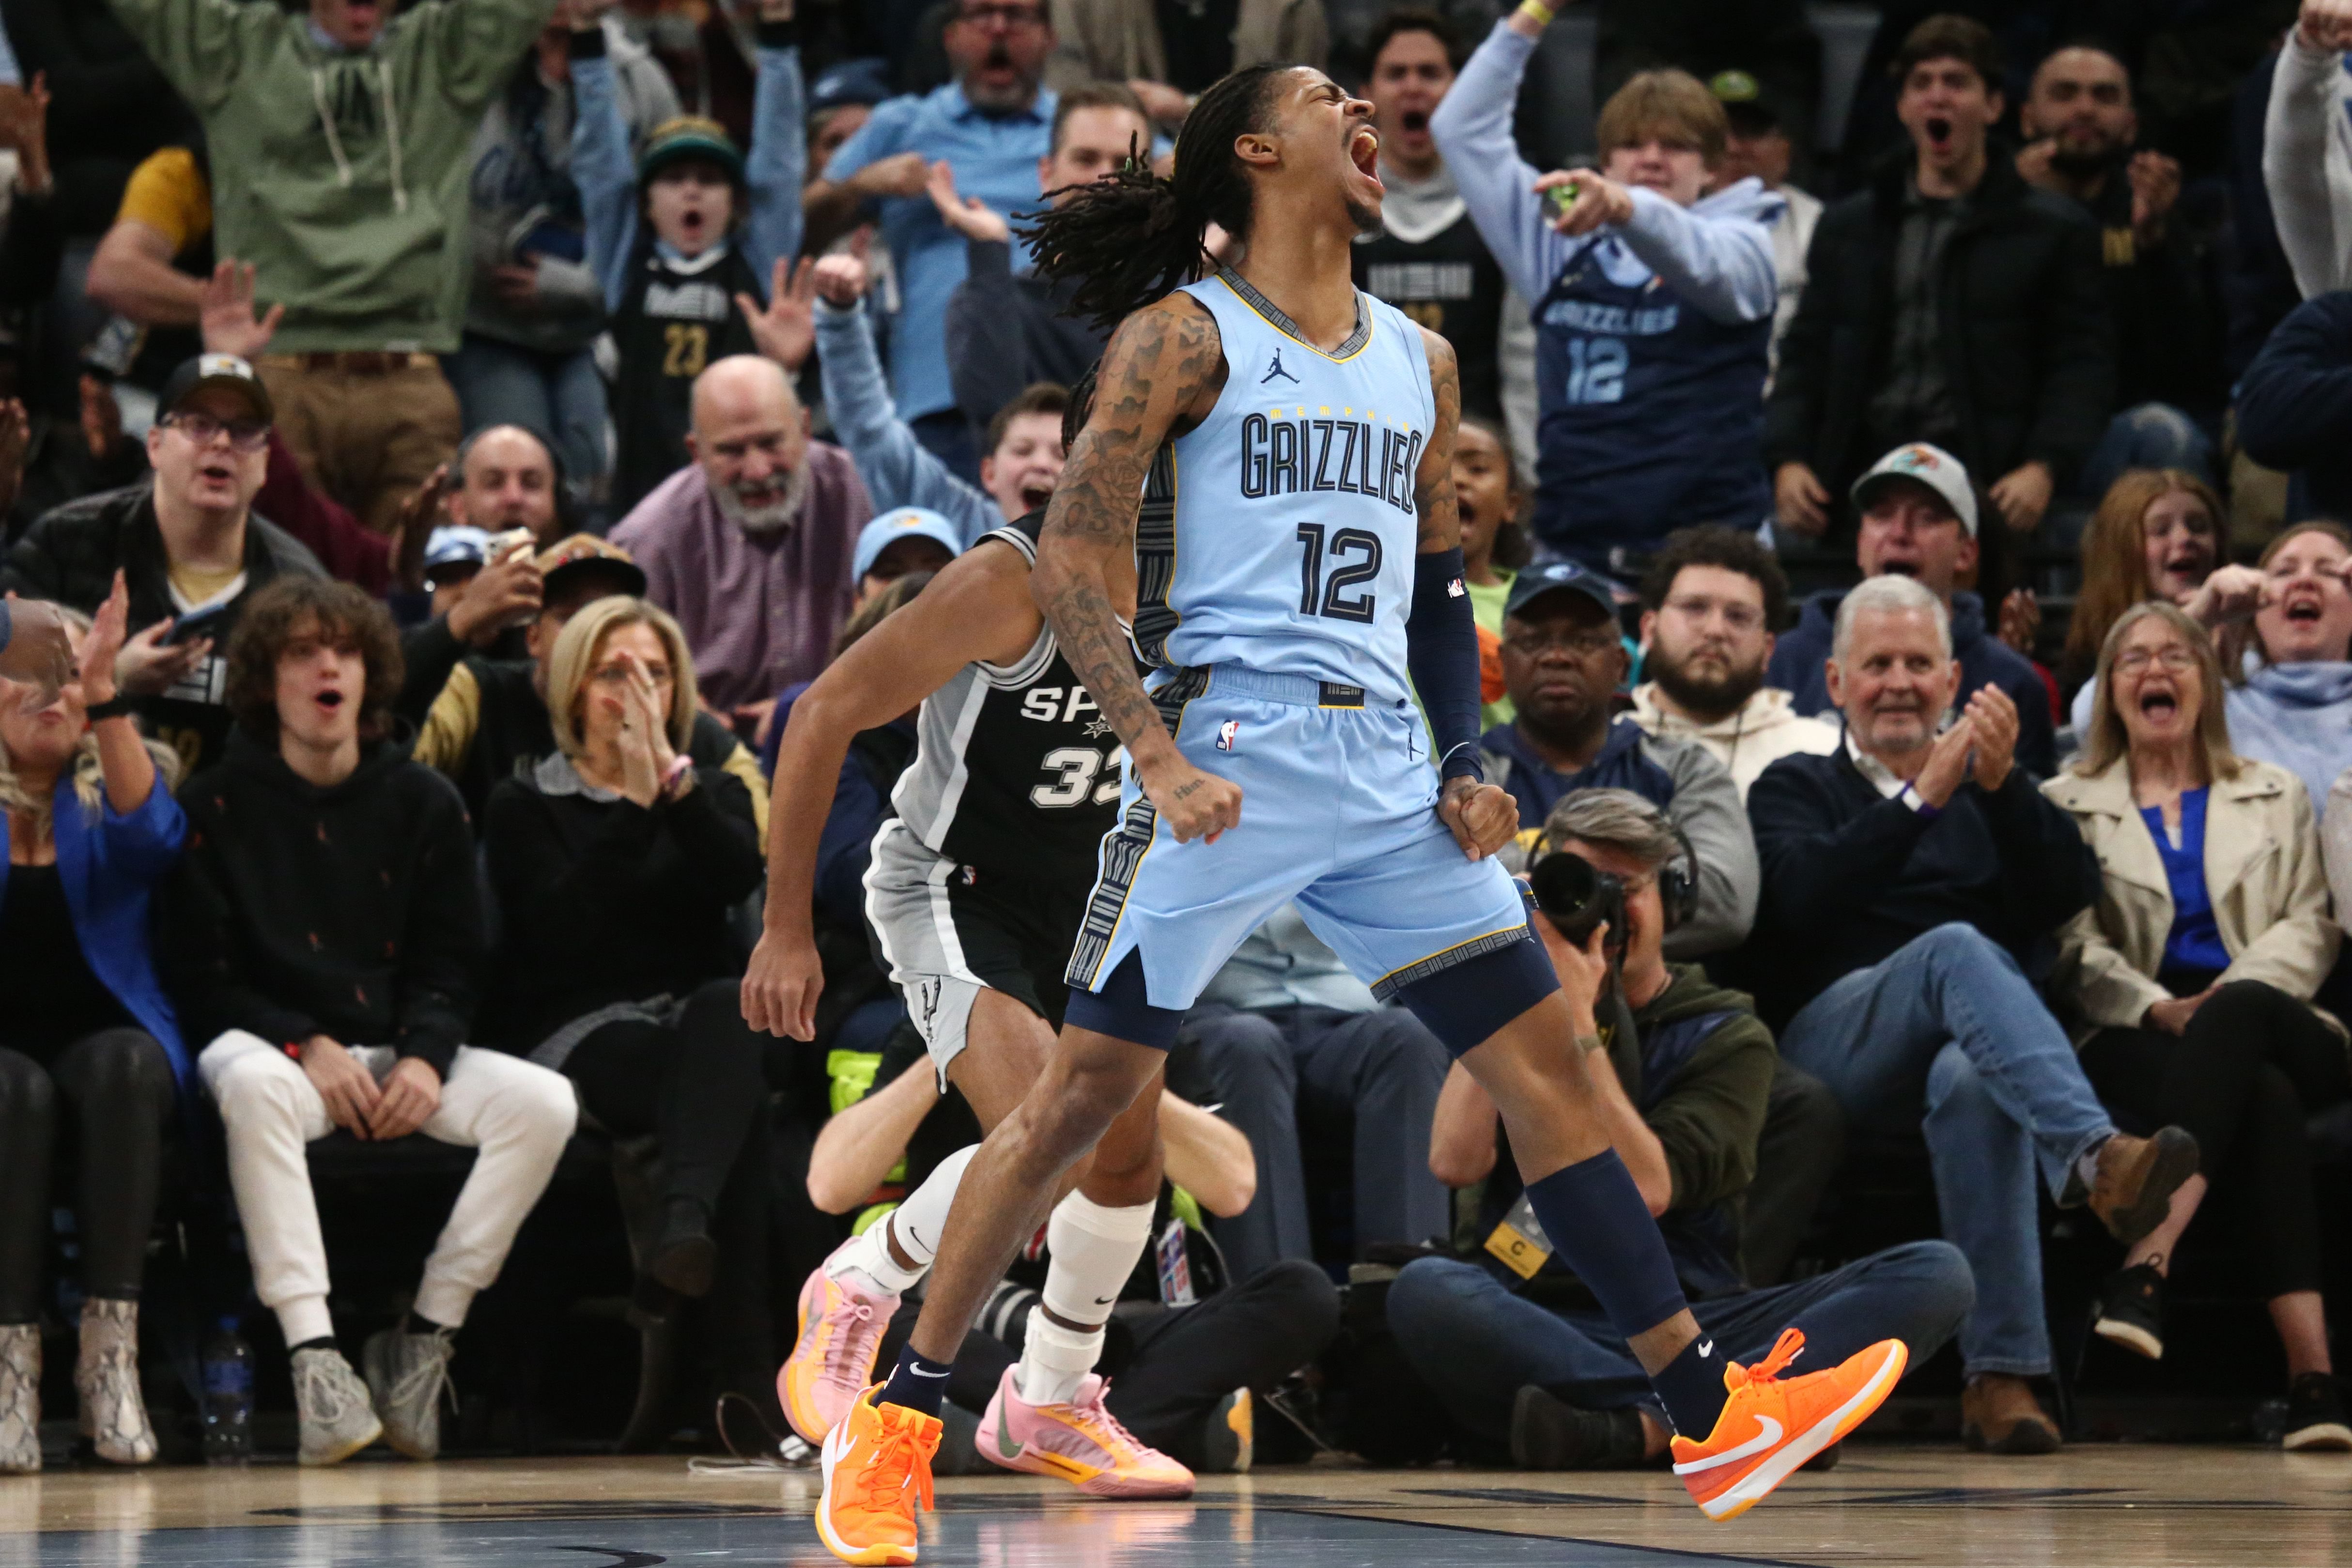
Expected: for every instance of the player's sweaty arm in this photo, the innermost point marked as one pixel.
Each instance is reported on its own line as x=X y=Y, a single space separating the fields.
x=977 y=609
x=1441 y=639
x=1163 y=370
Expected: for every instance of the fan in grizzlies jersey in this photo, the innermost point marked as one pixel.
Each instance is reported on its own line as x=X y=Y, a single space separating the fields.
x=1296 y=582
x=976 y=892
x=683 y=242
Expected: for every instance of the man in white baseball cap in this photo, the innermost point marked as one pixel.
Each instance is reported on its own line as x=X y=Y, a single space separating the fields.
x=1918 y=511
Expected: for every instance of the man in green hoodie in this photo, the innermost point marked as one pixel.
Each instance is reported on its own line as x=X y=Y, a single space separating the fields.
x=339 y=142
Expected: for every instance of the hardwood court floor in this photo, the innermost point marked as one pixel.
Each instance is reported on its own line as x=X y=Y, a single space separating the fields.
x=1930 y=1506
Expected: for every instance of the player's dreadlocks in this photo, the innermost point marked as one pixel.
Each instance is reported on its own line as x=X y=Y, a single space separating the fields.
x=1133 y=237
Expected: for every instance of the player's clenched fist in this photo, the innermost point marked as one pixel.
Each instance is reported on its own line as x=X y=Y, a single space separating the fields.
x=781 y=987
x=1193 y=803
x=1482 y=817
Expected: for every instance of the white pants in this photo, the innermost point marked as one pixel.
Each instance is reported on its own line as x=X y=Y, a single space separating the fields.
x=519 y=1115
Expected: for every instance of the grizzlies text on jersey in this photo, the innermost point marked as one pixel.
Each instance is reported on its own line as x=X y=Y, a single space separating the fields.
x=1288 y=544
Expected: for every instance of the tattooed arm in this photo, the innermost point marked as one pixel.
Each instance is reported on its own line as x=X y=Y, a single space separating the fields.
x=1161 y=373
x=1433 y=482
x=1442 y=636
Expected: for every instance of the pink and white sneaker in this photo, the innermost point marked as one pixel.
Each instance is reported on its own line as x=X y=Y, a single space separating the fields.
x=1082 y=1442
x=833 y=1361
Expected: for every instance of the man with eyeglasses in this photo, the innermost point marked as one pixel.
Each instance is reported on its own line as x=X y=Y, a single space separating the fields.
x=1710 y=603
x=751 y=545
x=1919 y=520
x=189 y=545
x=991 y=125
x=1563 y=661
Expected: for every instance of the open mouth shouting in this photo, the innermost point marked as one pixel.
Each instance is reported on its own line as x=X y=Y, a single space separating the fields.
x=1036 y=494
x=2160 y=704
x=1939 y=132
x=1364 y=151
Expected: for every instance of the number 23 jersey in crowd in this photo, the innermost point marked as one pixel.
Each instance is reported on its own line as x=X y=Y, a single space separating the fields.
x=1288 y=546
x=1017 y=773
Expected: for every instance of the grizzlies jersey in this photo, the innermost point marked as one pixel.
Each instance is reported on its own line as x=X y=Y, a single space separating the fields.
x=1652 y=415
x=1281 y=531
x=673 y=322
x=1017 y=772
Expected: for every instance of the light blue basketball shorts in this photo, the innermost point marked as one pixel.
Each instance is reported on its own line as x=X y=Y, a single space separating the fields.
x=1339 y=812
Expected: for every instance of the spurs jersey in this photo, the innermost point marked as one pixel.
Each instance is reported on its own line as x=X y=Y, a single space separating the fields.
x=1284 y=537
x=1017 y=773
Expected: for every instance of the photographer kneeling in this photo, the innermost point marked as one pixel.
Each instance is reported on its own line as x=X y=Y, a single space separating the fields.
x=1514 y=1343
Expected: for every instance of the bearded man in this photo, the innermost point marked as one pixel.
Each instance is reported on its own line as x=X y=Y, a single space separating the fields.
x=751 y=545
x=1710 y=604
x=1563 y=661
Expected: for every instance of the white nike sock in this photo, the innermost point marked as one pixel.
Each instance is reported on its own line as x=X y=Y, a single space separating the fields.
x=915 y=1223
x=1092 y=1251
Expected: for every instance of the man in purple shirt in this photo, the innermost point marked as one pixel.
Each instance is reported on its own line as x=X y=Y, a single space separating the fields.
x=749 y=546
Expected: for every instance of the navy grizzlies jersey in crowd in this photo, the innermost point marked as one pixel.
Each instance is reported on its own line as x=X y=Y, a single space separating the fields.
x=674 y=320
x=1288 y=546
x=1652 y=416
x=1017 y=773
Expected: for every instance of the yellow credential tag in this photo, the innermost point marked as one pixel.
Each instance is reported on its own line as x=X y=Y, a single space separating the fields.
x=1519 y=1240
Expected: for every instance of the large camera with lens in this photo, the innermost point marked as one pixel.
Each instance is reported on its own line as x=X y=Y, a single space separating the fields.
x=1577 y=896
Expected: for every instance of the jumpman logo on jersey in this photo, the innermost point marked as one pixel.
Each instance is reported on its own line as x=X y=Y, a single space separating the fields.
x=1277 y=370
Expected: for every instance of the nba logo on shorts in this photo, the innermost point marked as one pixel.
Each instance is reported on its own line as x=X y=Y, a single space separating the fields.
x=1226 y=731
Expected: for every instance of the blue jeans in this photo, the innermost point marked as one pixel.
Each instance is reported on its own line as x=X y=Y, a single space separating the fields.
x=1477 y=1343
x=1370 y=1079
x=559 y=396
x=1951 y=1023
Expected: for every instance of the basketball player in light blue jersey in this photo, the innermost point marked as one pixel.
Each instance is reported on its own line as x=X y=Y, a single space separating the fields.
x=1267 y=462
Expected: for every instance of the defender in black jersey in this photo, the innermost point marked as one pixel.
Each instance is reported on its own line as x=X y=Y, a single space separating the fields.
x=976 y=892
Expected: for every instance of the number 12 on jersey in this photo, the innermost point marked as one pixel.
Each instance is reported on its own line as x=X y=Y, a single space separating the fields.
x=1328 y=597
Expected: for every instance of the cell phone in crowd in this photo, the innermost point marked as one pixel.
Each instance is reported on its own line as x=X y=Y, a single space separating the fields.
x=504 y=545
x=196 y=624
x=1559 y=198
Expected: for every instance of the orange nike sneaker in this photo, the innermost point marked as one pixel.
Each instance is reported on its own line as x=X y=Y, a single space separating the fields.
x=1771 y=1425
x=877 y=1467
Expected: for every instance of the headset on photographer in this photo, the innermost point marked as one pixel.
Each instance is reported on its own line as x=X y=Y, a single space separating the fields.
x=1677 y=880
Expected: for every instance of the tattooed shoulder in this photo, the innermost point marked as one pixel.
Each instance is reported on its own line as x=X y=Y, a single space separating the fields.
x=1157 y=367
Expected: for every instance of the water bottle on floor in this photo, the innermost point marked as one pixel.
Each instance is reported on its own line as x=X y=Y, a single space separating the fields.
x=228 y=1397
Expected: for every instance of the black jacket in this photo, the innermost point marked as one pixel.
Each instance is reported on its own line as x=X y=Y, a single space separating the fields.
x=353 y=912
x=70 y=555
x=1851 y=876
x=2295 y=406
x=1007 y=329
x=2167 y=342
x=606 y=900
x=108 y=104
x=2023 y=322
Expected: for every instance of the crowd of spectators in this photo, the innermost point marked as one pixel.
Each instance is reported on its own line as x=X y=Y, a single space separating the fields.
x=442 y=443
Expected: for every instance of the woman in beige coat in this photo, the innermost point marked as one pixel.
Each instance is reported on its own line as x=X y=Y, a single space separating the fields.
x=2191 y=979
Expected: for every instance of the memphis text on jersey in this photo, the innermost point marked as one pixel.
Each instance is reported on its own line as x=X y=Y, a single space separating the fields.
x=1299 y=452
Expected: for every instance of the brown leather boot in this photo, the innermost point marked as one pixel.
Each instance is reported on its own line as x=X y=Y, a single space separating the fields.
x=1998 y=1415
x=2137 y=1178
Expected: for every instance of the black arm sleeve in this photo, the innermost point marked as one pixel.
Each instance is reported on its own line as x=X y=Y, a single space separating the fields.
x=1442 y=653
